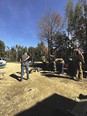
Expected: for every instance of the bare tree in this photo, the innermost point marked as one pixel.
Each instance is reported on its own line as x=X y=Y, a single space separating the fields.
x=50 y=24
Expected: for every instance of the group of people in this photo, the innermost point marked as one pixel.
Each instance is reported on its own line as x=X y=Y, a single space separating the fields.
x=78 y=60
x=59 y=64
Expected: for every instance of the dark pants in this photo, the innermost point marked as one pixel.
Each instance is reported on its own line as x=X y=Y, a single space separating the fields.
x=59 y=67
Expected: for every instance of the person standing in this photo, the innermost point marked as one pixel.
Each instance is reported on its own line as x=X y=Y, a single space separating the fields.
x=24 y=65
x=79 y=59
x=59 y=65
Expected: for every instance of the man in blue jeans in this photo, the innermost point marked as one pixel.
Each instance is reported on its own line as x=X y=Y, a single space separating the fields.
x=59 y=65
x=25 y=65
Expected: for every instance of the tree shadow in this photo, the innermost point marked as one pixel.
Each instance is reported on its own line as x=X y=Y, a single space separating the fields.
x=15 y=76
x=55 y=105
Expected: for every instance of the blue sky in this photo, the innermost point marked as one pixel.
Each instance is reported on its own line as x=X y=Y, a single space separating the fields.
x=19 y=19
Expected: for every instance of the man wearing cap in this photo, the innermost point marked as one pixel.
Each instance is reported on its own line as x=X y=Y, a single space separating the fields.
x=25 y=65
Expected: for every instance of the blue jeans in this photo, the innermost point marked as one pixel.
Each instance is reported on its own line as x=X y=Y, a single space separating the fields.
x=59 y=67
x=62 y=68
x=25 y=65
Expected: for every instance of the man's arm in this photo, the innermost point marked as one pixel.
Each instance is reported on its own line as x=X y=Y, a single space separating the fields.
x=27 y=58
x=51 y=55
x=82 y=57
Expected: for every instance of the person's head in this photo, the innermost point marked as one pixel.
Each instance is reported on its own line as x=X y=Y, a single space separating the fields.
x=25 y=53
x=77 y=52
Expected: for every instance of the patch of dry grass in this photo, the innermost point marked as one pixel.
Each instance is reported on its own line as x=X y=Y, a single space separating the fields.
x=17 y=96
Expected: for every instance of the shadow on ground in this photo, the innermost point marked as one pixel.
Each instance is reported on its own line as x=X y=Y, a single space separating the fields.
x=15 y=76
x=52 y=74
x=54 y=105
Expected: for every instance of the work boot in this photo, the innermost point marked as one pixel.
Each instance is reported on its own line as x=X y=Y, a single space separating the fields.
x=76 y=79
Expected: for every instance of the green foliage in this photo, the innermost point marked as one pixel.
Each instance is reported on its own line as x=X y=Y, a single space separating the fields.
x=2 y=49
x=69 y=14
x=76 y=23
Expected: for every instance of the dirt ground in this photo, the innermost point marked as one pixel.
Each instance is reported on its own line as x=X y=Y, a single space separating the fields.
x=16 y=96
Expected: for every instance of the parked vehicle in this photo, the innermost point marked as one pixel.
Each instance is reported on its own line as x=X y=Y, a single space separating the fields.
x=2 y=62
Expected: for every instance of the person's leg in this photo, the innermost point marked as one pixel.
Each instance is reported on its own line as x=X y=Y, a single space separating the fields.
x=22 y=72
x=76 y=73
x=80 y=70
x=55 y=69
x=59 y=68
x=62 y=70
x=27 y=70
